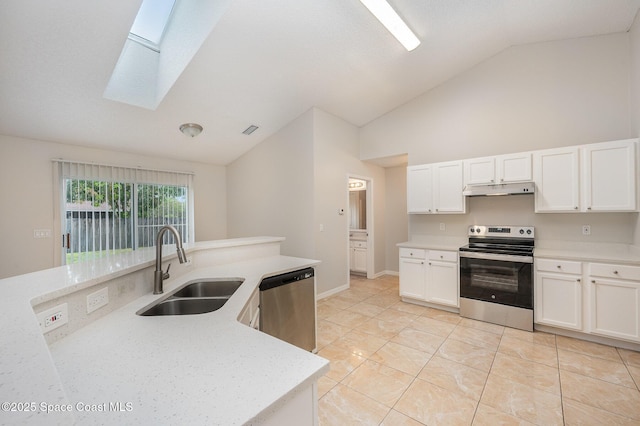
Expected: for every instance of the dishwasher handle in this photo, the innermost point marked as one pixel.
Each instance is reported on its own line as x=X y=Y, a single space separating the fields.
x=286 y=278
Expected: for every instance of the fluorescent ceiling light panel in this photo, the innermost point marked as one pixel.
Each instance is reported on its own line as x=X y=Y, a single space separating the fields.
x=392 y=21
x=152 y=19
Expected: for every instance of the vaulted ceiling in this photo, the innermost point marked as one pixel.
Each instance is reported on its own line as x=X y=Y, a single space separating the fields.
x=264 y=63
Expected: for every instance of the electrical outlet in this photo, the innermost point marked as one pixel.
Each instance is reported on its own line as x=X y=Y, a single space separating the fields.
x=97 y=299
x=53 y=318
x=586 y=229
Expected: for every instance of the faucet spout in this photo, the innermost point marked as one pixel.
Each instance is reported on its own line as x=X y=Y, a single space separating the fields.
x=159 y=276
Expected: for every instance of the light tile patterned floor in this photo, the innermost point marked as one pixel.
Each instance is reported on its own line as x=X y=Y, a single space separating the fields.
x=394 y=363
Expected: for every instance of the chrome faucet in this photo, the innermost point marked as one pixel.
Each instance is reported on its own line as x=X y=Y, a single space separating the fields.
x=159 y=275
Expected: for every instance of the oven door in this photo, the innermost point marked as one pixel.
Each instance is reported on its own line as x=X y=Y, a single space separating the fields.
x=508 y=282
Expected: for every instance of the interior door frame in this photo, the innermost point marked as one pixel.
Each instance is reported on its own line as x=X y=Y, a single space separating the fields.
x=369 y=226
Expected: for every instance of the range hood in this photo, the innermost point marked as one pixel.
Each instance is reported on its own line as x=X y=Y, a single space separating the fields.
x=518 y=188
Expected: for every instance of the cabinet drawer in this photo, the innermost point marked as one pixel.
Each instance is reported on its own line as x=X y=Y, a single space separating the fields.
x=563 y=266
x=413 y=253
x=358 y=244
x=446 y=256
x=623 y=272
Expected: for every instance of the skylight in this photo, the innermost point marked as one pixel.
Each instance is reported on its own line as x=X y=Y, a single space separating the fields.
x=151 y=21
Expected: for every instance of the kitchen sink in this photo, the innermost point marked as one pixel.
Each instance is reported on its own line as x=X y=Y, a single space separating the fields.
x=223 y=287
x=185 y=306
x=195 y=297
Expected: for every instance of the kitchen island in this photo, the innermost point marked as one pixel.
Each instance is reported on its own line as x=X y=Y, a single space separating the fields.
x=127 y=369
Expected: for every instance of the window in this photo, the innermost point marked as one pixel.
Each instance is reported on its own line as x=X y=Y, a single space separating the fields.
x=110 y=209
x=151 y=22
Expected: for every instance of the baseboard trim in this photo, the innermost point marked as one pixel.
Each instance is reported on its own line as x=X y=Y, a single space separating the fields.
x=331 y=292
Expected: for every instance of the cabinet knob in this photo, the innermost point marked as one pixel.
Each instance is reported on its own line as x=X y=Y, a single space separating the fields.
x=429 y=263
x=575 y=208
x=579 y=280
x=436 y=209
x=559 y=266
x=615 y=272
x=588 y=208
x=593 y=281
x=422 y=263
x=443 y=257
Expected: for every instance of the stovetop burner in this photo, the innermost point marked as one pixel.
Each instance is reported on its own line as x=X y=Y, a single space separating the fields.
x=503 y=240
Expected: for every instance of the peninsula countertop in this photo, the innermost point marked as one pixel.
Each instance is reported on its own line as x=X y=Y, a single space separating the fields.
x=125 y=368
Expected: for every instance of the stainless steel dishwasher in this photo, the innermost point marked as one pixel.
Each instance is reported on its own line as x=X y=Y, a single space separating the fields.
x=288 y=308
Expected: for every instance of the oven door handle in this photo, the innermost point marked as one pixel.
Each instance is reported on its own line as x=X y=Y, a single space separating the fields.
x=492 y=256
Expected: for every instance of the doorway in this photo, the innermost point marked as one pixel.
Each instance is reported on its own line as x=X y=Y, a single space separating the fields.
x=360 y=226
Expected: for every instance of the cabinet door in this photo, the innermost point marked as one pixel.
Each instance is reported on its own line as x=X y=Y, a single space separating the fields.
x=412 y=278
x=442 y=283
x=558 y=300
x=609 y=176
x=479 y=171
x=615 y=308
x=359 y=260
x=556 y=174
x=419 y=189
x=448 y=180
x=513 y=168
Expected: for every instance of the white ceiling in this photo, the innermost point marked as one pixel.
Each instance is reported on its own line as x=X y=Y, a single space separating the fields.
x=264 y=63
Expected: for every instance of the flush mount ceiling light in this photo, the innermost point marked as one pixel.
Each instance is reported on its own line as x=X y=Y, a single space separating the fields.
x=191 y=129
x=392 y=21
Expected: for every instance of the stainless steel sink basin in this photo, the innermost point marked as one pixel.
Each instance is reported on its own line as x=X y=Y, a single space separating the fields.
x=195 y=297
x=185 y=306
x=209 y=288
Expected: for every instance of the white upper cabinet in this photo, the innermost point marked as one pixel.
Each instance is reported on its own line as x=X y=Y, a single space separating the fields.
x=609 y=176
x=420 y=189
x=479 y=171
x=435 y=188
x=499 y=169
x=596 y=177
x=448 y=186
x=556 y=173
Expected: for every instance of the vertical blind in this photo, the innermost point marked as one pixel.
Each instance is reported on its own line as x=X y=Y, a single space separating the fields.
x=106 y=208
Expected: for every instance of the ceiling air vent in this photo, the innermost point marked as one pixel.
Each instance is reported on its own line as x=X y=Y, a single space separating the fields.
x=250 y=129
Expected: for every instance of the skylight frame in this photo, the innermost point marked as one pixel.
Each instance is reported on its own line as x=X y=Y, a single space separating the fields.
x=152 y=20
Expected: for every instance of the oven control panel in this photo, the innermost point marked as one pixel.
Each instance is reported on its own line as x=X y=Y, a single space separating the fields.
x=501 y=231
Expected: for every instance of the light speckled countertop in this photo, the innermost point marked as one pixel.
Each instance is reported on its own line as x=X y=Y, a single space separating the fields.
x=435 y=243
x=589 y=252
x=192 y=369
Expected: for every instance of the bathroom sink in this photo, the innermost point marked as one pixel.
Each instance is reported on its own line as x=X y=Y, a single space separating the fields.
x=219 y=287
x=195 y=297
x=185 y=306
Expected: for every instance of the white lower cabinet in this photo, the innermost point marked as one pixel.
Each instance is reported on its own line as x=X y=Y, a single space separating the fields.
x=429 y=276
x=594 y=298
x=558 y=293
x=614 y=292
x=358 y=256
x=413 y=273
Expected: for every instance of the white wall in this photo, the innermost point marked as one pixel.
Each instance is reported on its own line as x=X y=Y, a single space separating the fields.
x=634 y=36
x=270 y=189
x=295 y=181
x=336 y=158
x=527 y=97
x=26 y=173
x=397 y=223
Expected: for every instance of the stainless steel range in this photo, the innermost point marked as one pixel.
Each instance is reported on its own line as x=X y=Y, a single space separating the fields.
x=496 y=275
